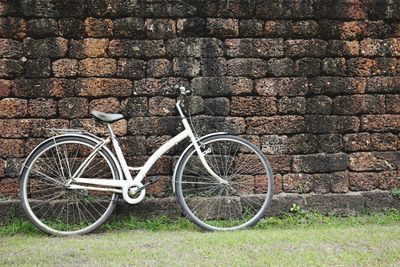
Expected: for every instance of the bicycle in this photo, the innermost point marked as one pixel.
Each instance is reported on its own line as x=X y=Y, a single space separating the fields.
x=70 y=183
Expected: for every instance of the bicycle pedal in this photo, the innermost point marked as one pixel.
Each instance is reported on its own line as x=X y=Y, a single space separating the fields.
x=152 y=180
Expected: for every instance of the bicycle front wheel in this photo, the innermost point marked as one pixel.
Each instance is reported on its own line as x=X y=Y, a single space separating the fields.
x=53 y=207
x=239 y=203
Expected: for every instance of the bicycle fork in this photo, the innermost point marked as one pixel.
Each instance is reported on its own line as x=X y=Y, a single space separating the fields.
x=201 y=153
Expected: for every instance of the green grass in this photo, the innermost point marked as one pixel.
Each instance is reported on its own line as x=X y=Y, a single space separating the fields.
x=297 y=219
x=297 y=239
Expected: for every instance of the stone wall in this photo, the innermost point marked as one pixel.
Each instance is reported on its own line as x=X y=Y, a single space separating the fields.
x=314 y=83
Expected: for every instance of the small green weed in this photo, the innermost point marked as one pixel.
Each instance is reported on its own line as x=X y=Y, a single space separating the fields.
x=396 y=192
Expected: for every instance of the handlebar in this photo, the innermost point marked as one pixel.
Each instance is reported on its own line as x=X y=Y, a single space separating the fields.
x=182 y=90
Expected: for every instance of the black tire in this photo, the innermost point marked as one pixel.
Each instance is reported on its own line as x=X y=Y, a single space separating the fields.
x=49 y=204
x=247 y=196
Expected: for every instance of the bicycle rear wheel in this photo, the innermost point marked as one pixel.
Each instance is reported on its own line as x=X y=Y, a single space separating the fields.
x=212 y=205
x=49 y=204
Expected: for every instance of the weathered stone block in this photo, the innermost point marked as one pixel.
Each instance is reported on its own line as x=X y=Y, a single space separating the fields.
x=42 y=28
x=280 y=163
x=257 y=48
x=65 y=67
x=13 y=167
x=213 y=67
x=32 y=88
x=73 y=107
x=304 y=29
x=317 y=163
x=160 y=28
x=362 y=67
x=163 y=86
x=298 y=183
x=247 y=67
x=157 y=68
x=13 y=108
x=363 y=181
x=251 y=28
x=302 y=144
x=5 y=87
x=277 y=28
x=394 y=46
x=89 y=47
x=253 y=105
x=292 y=105
x=357 y=142
x=384 y=141
x=215 y=86
x=226 y=8
x=133 y=145
x=319 y=105
x=8 y=8
x=392 y=103
x=281 y=66
x=337 y=85
x=12 y=148
x=10 y=48
x=71 y=28
x=374 y=161
x=330 y=143
x=218 y=106
x=275 y=125
x=98 y=27
x=135 y=106
x=13 y=28
x=10 y=68
x=195 y=47
x=334 y=66
x=154 y=125
x=307 y=67
x=343 y=48
x=191 y=27
x=374 y=47
x=208 y=124
x=97 y=67
x=351 y=30
x=331 y=9
x=137 y=48
x=42 y=108
x=331 y=124
x=130 y=27
x=281 y=86
x=2 y=167
x=161 y=106
x=380 y=123
x=383 y=85
x=97 y=87
x=169 y=9
x=52 y=47
x=305 y=48
x=358 y=104
x=186 y=67
x=131 y=68
x=274 y=144
x=222 y=27
x=38 y=68
x=110 y=105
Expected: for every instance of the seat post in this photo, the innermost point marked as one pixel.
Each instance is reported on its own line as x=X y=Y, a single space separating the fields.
x=110 y=130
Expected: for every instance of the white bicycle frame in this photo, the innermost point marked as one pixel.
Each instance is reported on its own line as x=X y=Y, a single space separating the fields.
x=131 y=186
